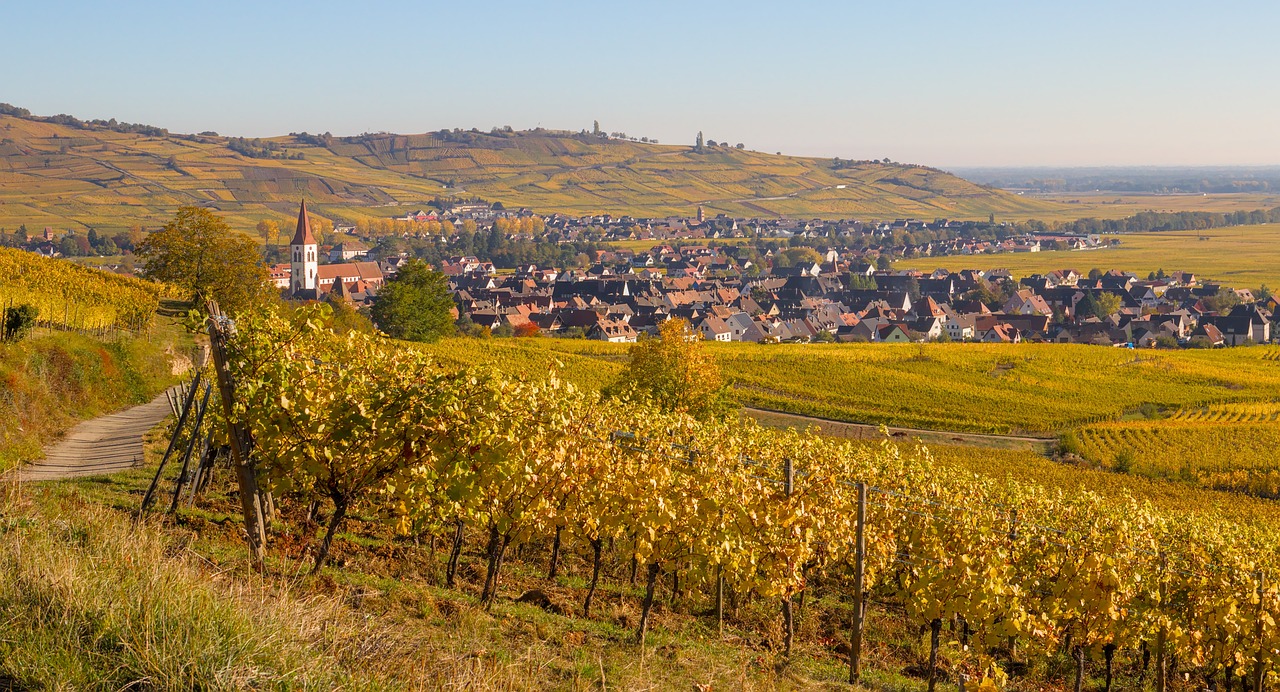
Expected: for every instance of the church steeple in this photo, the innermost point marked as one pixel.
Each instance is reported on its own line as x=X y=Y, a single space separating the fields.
x=303 y=236
x=305 y=264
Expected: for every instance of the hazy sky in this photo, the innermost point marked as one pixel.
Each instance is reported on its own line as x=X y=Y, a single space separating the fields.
x=948 y=83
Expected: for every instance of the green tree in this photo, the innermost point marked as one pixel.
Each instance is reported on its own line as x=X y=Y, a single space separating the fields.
x=675 y=373
x=198 y=252
x=415 y=305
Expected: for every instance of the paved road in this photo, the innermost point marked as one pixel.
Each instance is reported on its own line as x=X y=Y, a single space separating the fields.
x=98 y=446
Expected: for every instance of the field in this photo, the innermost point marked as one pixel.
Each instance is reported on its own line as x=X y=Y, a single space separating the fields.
x=69 y=296
x=53 y=175
x=1037 y=389
x=1241 y=256
x=1104 y=205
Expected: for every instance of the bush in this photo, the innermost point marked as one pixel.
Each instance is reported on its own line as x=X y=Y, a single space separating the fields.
x=16 y=322
x=1068 y=443
x=1124 y=461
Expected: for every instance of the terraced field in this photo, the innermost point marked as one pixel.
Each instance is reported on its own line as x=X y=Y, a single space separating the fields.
x=64 y=177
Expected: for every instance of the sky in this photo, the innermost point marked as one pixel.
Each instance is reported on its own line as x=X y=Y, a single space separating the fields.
x=943 y=83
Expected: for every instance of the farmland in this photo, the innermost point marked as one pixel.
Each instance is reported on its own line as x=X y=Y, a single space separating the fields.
x=962 y=388
x=67 y=177
x=1243 y=256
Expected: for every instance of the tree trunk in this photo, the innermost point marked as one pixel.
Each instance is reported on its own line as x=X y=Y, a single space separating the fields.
x=555 y=555
x=935 y=629
x=1227 y=678
x=647 y=606
x=597 y=547
x=788 y=627
x=497 y=547
x=1109 y=652
x=1146 y=662
x=635 y=564
x=451 y=571
x=1078 y=653
x=339 y=513
x=675 y=585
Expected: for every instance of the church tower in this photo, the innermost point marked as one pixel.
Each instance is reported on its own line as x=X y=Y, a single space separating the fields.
x=304 y=262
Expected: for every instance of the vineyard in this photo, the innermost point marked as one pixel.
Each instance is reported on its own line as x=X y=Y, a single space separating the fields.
x=731 y=512
x=72 y=297
x=965 y=388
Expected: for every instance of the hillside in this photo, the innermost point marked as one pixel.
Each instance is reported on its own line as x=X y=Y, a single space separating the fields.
x=68 y=175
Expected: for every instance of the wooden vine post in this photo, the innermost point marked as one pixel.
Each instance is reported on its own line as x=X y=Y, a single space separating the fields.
x=788 y=618
x=173 y=442
x=255 y=533
x=1259 y=669
x=191 y=445
x=859 y=587
x=1162 y=635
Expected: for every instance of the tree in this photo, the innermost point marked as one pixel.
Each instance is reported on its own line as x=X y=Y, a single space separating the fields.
x=198 y=252
x=675 y=373
x=595 y=128
x=268 y=230
x=1106 y=304
x=415 y=305
x=699 y=147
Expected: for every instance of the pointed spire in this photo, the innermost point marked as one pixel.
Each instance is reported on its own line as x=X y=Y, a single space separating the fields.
x=303 y=235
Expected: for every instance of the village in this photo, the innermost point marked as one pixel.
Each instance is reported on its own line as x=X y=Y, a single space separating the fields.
x=810 y=297
x=764 y=281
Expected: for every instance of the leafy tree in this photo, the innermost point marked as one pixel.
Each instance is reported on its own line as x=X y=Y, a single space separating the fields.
x=198 y=252
x=1223 y=301
x=268 y=230
x=1106 y=304
x=17 y=321
x=699 y=146
x=675 y=373
x=415 y=305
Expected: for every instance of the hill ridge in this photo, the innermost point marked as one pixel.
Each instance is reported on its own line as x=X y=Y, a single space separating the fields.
x=63 y=172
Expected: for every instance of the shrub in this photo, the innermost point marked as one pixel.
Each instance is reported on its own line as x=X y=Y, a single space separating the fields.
x=1124 y=461
x=16 y=322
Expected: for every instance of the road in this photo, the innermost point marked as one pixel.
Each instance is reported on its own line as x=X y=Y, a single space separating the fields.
x=98 y=446
x=861 y=431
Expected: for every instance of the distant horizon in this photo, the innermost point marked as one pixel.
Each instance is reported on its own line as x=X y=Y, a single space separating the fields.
x=552 y=129
x=988 y=84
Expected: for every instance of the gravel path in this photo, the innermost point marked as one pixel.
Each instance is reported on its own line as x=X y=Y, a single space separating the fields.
x=98 y=446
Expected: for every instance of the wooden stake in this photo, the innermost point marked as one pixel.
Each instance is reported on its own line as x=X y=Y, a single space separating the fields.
x=859 y=587
x=788 y=618
x=255 y=534
x=182 y=420
x=191 y=445
x=1259 y=671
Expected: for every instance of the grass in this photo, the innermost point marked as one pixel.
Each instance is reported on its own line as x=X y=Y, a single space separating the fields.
x=1241 y=256
x=51 y=380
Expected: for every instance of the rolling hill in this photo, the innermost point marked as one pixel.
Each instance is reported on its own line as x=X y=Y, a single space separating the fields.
x=67 y=174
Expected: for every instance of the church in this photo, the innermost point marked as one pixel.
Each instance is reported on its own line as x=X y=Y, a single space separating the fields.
x=356 y=282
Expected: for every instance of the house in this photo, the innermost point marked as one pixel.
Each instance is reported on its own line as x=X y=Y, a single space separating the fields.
x=348 y=250
x=892 y=334
x=713 y=328
x=613 y=331
x=1027 y=302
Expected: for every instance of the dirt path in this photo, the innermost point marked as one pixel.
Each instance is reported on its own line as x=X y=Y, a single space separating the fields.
x=777 y=419
x=98 y=446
